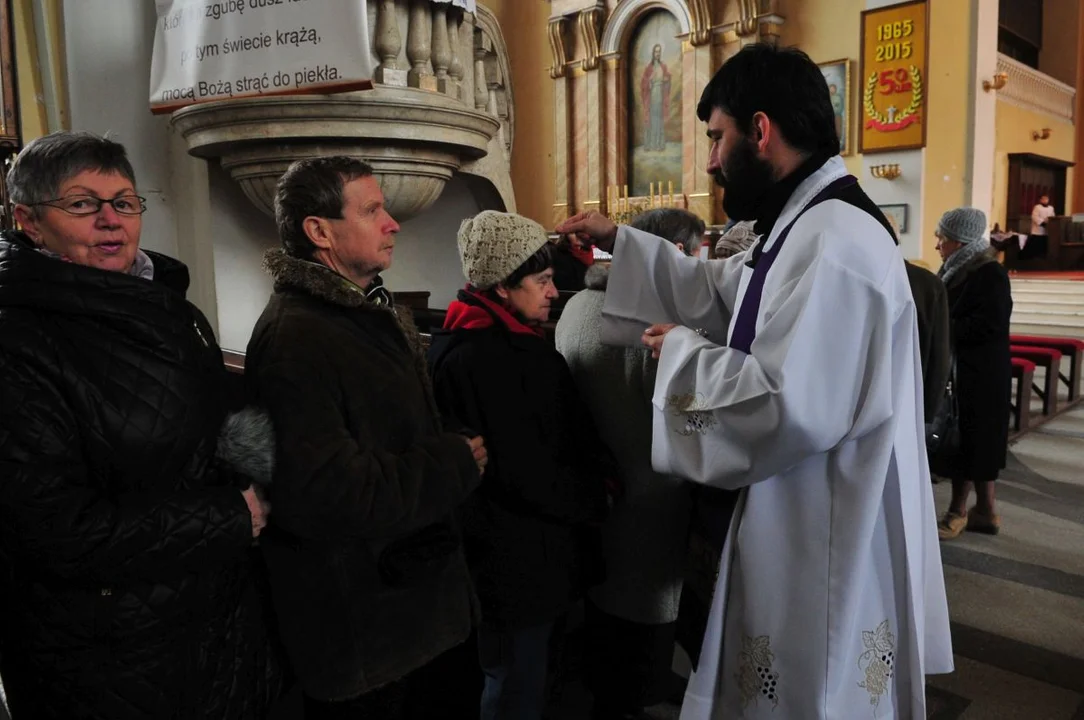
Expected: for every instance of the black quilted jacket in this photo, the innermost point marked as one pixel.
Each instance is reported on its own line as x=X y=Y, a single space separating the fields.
x=125 y=588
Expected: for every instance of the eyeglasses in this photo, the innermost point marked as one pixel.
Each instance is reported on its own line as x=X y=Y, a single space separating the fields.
x=89 y=205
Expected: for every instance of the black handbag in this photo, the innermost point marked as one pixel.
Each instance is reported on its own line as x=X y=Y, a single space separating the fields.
x=943 y=441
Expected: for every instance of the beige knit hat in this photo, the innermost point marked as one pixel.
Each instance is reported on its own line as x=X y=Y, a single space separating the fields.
x=493 y=244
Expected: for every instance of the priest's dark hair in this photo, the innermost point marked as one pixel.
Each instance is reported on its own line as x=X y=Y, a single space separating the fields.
x=782 y=83
x=312 y=187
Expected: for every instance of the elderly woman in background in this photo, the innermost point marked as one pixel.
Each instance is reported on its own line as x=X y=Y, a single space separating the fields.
x=631 y=616
x=980 y=305
x=124 y=541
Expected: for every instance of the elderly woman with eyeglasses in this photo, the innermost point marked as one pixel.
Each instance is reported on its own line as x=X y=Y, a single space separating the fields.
x=127 y=516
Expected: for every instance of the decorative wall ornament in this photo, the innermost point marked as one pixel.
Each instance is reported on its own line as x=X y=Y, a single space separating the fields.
x=590 y=22
x=557 y=47
x=700 y=10
x=895 y=47
x=747 y=25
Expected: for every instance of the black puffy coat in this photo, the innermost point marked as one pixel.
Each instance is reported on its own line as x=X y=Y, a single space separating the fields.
x=980 y=303
x=532 y=529
x=124 y=550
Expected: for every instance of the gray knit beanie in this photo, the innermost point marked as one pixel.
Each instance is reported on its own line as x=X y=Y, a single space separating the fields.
x=964 y=225
x=493 y=244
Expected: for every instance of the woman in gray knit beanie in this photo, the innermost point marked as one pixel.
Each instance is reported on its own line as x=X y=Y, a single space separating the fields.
x=980 y=306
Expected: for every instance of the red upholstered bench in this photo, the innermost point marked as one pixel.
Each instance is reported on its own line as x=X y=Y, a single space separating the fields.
x=1022 y=372
x=1047 y=358
x=1070 y=347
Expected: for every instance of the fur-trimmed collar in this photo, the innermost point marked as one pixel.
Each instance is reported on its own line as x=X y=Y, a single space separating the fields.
x=312 y=277
x=597 y=277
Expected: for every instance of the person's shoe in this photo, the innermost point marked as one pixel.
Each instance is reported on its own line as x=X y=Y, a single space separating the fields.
x=982 y=523
x=951 y=526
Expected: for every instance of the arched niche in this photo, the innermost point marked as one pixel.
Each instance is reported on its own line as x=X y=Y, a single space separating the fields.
x=619 y=28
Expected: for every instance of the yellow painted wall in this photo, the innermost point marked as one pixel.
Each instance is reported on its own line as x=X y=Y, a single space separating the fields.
x=1014 y=126
x=948 y=136
x=524 y=24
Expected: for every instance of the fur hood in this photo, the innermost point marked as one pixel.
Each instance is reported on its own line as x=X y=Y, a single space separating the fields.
x=597 y=277
x=246 y=444
x=312 y=277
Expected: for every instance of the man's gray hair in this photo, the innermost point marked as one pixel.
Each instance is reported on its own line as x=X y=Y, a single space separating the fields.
x=673 y=224
x=47 y=162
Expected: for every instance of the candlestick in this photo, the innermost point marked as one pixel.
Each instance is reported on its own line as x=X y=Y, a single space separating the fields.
x=626 y=190
x=651 y=194
x=671 y=193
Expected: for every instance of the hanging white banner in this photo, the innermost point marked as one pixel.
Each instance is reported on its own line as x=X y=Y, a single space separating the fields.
x=226 y=49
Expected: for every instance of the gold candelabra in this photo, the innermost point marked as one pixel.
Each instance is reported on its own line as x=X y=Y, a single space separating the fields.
x=622 y=209
x=885 y=172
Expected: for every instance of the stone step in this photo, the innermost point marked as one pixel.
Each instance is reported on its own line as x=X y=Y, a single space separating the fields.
x=1037 y=314
x=1053 y=330
x=1030 y=293
x=1071 y=286
x=1055 y=306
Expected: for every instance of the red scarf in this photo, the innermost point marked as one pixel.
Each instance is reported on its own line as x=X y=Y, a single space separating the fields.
x=479 y=312
x=585 y=255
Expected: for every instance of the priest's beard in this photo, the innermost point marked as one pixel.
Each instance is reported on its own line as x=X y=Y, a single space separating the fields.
x=745 y=178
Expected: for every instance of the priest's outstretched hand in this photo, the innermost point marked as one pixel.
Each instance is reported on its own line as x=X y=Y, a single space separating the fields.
x=592 y=227
x=654 y=337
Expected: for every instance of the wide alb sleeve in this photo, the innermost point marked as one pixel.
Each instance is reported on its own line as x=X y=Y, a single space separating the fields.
x=819 y=373
x=651 y=282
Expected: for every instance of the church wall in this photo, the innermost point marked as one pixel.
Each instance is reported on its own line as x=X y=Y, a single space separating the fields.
x=1014 y=127
x=524 y=26
x=108 y=73
x=949 y=133
x=1058 y=57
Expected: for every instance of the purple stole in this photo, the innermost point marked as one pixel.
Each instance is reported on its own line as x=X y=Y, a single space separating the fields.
x=745 y=325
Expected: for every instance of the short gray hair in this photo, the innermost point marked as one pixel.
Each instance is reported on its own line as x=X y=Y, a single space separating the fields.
x=312 y=187
x=47 y=162
x=673 y=224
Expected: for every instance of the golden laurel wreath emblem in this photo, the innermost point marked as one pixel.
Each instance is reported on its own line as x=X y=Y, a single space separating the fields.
x=908 y=116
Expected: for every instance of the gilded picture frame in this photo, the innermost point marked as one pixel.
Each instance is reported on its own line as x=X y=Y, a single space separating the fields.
x=837 y=74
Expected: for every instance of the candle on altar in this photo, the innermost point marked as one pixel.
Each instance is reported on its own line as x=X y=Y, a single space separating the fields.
x=651 y=194
x=671 y=193
x=625 y=188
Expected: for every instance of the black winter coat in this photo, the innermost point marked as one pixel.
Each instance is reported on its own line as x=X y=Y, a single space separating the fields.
x=531 y=530
x=366 y=565
x=124 y=552
x=980 y=306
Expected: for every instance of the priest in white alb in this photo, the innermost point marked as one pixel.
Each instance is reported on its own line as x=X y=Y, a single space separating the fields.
x=791 y=372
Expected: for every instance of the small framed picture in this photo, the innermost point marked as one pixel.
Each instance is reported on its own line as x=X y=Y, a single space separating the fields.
x=837 y=73
x=898 y=214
